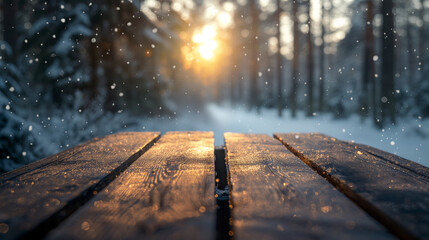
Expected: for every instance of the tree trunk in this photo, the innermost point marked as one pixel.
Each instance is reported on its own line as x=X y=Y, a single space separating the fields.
x=10 y=8
x=411 y=64
x=310 y=64
x=372 y=80
x=270 y=85
x=110 y=74
x=368 y=64
x=322 y=60
x=295 y=60
x=411 y=56
x=236 y=56
x=93 y=65
x=388 y=63
x=238 y=52
x=254 y=49
x=279 y=64
x=422 y=51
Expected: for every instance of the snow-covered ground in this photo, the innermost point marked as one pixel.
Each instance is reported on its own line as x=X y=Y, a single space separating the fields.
x=409 y=138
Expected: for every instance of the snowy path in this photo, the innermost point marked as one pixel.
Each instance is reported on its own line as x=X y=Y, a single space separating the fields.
x=408 y=139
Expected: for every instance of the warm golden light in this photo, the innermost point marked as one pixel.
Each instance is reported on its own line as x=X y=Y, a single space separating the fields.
x=207 y=49
x=206 y=42
x=224 y=19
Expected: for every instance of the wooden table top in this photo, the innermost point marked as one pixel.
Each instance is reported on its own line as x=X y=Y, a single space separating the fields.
x=179 y=186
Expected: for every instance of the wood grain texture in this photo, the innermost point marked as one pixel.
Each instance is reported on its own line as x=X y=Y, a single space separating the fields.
x=44 y=162
x=396 y=160
x=276 y=196
x=395 y=191
x=168 y=193
x=37 y=197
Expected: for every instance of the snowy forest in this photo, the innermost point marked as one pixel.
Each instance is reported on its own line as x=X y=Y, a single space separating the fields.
x=75 y=70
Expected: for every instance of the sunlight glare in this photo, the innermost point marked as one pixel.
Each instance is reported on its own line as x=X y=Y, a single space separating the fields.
x=207 y=49
x=224 y=19
x=206 y=42
x=209 y=32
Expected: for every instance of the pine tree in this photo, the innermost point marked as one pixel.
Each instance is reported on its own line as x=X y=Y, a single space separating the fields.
x=55 y=40
x=18 y=144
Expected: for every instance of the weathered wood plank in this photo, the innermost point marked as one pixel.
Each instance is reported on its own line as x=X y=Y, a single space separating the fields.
x=392 y=190
x=394 y=159
x=36 y=199
x=167 y=193
x=45 y=161
x=276 y=196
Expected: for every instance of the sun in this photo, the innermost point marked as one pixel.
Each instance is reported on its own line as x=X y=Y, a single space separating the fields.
x=205 y=39
x=207 y=49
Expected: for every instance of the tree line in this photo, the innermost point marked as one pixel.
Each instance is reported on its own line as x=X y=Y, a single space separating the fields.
x=366 y=74
x=90 y=62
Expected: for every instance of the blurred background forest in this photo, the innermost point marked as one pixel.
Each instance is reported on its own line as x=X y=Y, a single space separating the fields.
x=74 y=70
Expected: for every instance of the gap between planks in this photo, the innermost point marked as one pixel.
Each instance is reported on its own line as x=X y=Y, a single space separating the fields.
x=224 y=222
